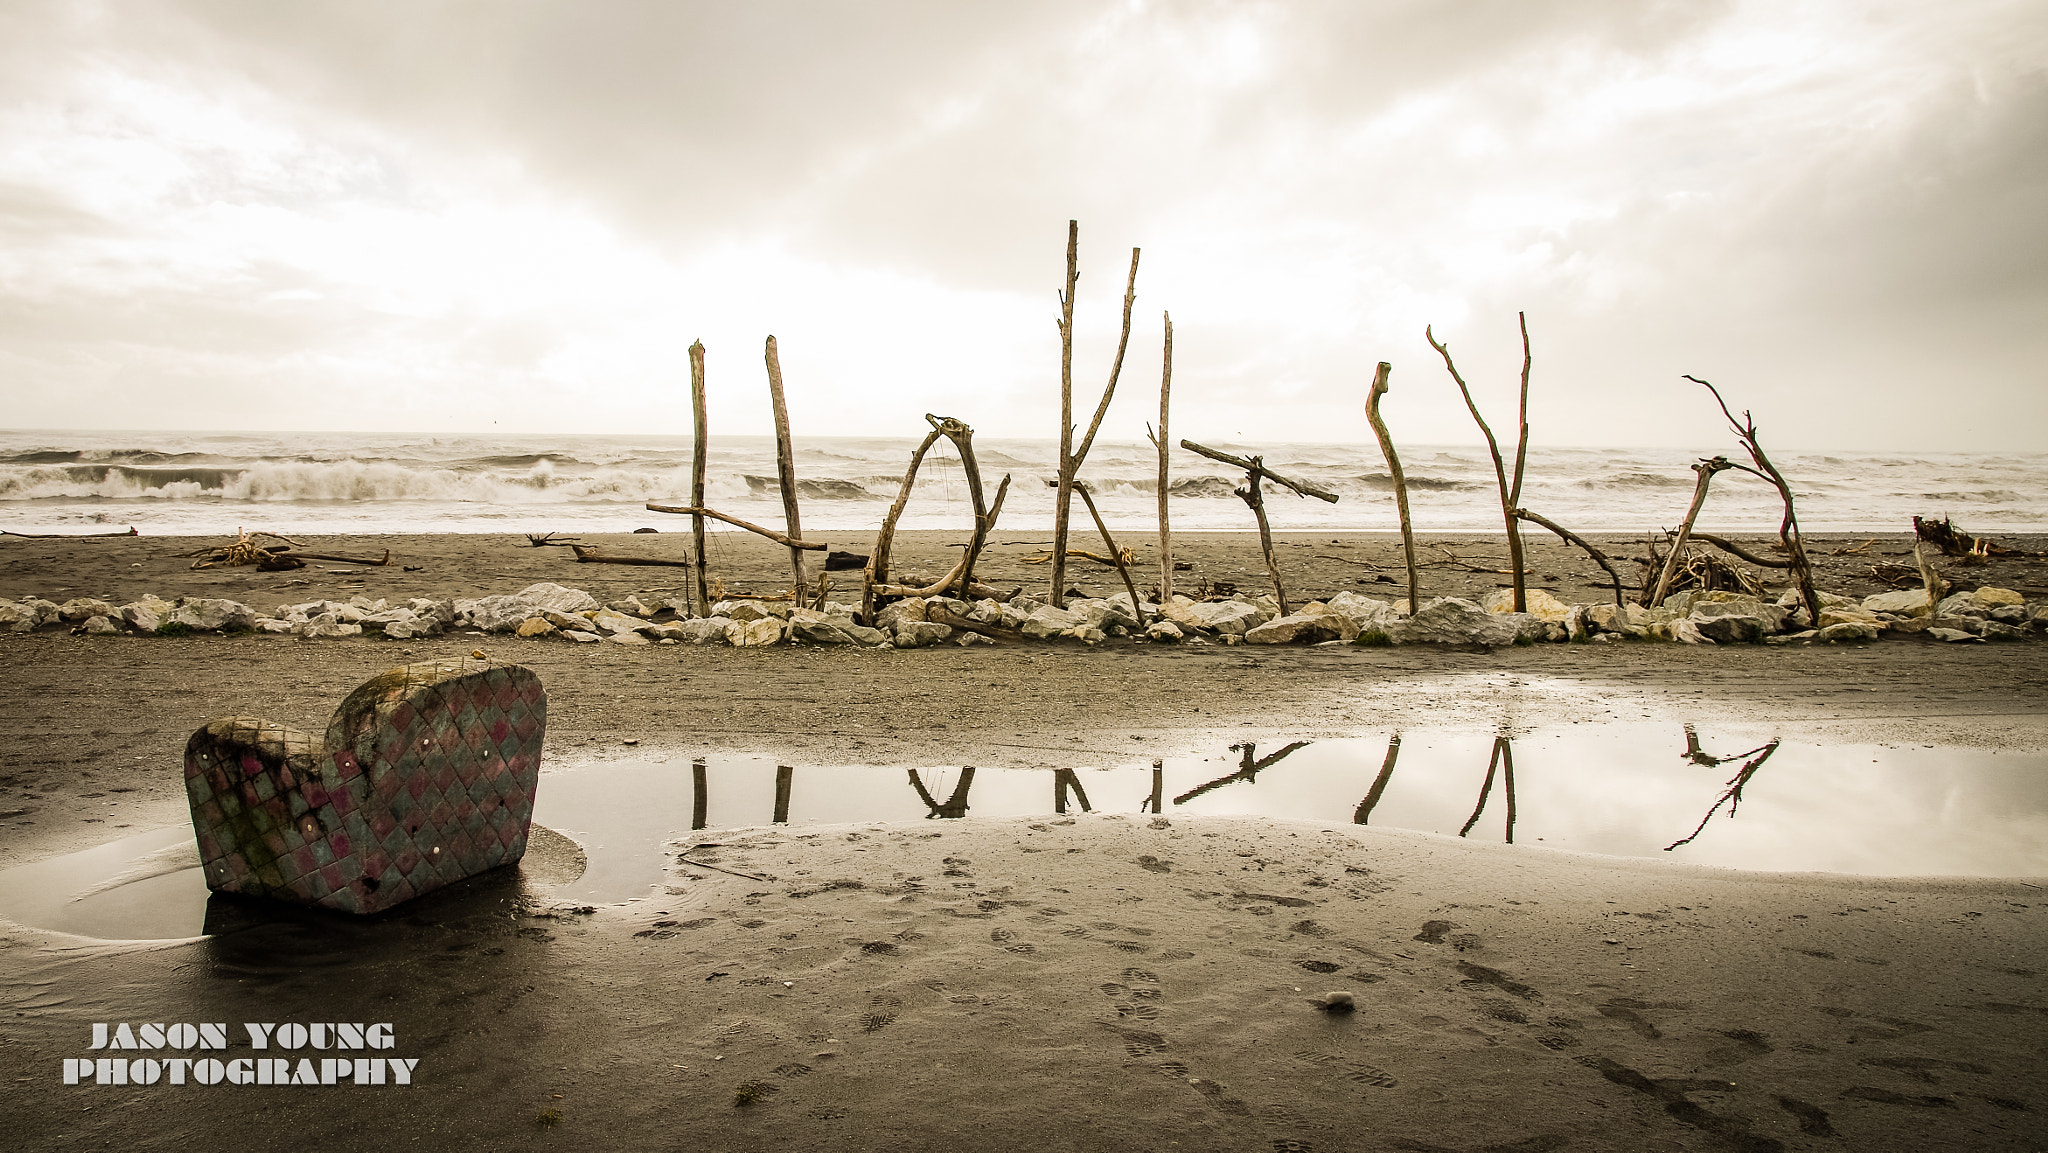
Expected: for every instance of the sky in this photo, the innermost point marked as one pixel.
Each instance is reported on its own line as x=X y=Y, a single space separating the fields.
x=517 y=215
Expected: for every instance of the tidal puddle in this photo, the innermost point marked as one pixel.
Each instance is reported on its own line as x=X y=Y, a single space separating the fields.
x=1744 y=799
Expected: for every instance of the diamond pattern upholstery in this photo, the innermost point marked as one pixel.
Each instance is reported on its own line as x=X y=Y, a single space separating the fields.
x=426 y=776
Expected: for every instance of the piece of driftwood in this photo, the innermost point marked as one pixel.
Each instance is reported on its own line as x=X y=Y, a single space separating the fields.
x=1299 y=487
x=1729 y=546
x=1123 y=567
x=1082 y=553
x=785 y=469
x=1159 y=442
x=699 y=449
x=69 y=535
x=1706 y=468
x=547 y=539
x=1788 y=528
x=1510 y=495
x=586 y=554
x=1070 y=456
x=771 y=534
x=984 y=520
x=1253 y=496
x=1952 y=541
x=1386 y=439
x=1929 y=578
x=954 y=577
x=877 y=571
x=938 y=615
x=1599 y=558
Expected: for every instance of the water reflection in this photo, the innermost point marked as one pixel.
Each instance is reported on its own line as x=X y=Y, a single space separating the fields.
x=1605 y=789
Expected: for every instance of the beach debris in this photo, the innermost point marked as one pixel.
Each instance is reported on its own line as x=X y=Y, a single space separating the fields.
x=69 y=535
x=1337 y=1001
x=1788 y=529
x=1706 y=467
x=1379 y=389
x=875 y=572
x=343 y=847
x=1952 y=541
x=586 y=554
x=543 y=540
x=1510 y=495
x=247 y=549
x=1071 y=456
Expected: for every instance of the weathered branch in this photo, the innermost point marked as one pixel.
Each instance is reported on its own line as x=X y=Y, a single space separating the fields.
x=771 y=534
x=1788 y=528
x=877 y=570
x=1379 y=429
x=1599 y=557
x=588 y=555
x=68 y=535
x=1729 y=546
x=785 y=469
x=1251 y=495
x=1300 y=487
x=699 y=448
x=1706 y=469
x=1160 y=442
x=1123 y=570
x=1070 y=457
x=1509 y=496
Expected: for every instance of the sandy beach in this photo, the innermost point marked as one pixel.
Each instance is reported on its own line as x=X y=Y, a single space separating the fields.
x=1091 y=981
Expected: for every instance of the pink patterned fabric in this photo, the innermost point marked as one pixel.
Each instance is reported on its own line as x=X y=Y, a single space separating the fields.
x=426 y=776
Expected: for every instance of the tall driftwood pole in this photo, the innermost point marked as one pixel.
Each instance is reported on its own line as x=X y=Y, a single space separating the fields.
x=1070 y=456
x=1379 y=429
x=1252 y=495
x=1510 y=494
x=1160 y=442
x=697 y=474
x=785 y=470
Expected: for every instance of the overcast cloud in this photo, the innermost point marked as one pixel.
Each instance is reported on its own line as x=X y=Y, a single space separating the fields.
x=441 y=216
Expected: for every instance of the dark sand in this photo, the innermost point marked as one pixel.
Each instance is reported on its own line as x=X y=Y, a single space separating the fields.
x=1054 y=991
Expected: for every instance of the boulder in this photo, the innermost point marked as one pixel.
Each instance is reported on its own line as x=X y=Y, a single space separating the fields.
x=328 y=625
x=810 y=626
x=1989 y=597
x=1953 y=636
x=1730 y=628
x=2010 y=614
x=101 y=625
x=1164 y=631
x=918 y=634
x=1296 y=628
x=211 y=615
x=1906 y=602
x=754 y=633
x=403 y=624
x=1686 y=631
x=442 y=613
x=1046 y=621
x=492 y=614
x=1966 y=624
x=702 y=630
x=1541 y=604
x=1356 y=614
x=1086 y=635
x=1230 y=617
x=628 y=637
x=632 y=606
x=1997 y=631
x=613 y=623
x=745 y=611
x=274 y=625
x=1846 y=630
x=582 y=637
x=1842 y=615
x=16 y=617
x=908 y=609
x=146 y=614
x=534 y=627
x=1958 y=604
x=1455 y=621
x=81 y=608
x=548 y=595
x=1103 y=614
x=969 y=640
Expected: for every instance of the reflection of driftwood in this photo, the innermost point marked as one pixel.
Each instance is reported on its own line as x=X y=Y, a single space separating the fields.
x=699 y=447
x=1159 y=443
x=68 y=535
x=771 y=534
x=1363 y=814
x=1510 y=496
x=1153 y=802
x=1386 y=439
x=1732 y=794
x=785 y=780
x=1788 y=528
x=1706 y=469
x=1070 y=456
x=1503 y=759
x=545 y=539
x=1064 y=780
x=1248 y=769
x=785 y=471
x=588 y=555
x=1599 y=557
x=955 y=806
x=700 y=788
x=1254 y=464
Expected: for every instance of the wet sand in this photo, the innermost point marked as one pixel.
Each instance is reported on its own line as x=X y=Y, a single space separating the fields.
x=995 y=984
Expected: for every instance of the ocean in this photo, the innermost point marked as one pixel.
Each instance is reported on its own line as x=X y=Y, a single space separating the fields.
x=210 y=484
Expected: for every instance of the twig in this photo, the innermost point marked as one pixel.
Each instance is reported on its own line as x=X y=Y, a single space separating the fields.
x=684 y=860
x=1122 y=567
x=1731 y=796
x=1351 y=560
x=544 y=540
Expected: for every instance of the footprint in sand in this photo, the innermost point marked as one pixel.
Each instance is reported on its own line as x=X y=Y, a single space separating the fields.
x=1153 y=864
x=875 y=1022
x=1357 y=1071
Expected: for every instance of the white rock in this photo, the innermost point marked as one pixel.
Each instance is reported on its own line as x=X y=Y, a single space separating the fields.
x=1047 y=621
x=627 y=637
x=908 y=609
x=1302 y=627
x=703 y=630
x=1454 y=620
x=146 y=614
x=210 y=615
x=1540 y=602
x=756 y=633
x=918 y=634
x=1164 y=631
x=1953 y=636
x=80 y=608
x=581 y=637
x=1848 y=630
x=1359 y=614
x=1908 y=602
x=101 y=625
x=328 y=625
x=1229 y=617
x=548 y=595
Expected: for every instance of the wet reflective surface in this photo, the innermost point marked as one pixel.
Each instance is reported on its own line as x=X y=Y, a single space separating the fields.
x=1747 y=799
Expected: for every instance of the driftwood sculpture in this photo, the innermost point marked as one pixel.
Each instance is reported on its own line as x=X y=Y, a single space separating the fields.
x=426 y=776
x=1070 y=456
x=1510 y=494
x=1253 y=496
